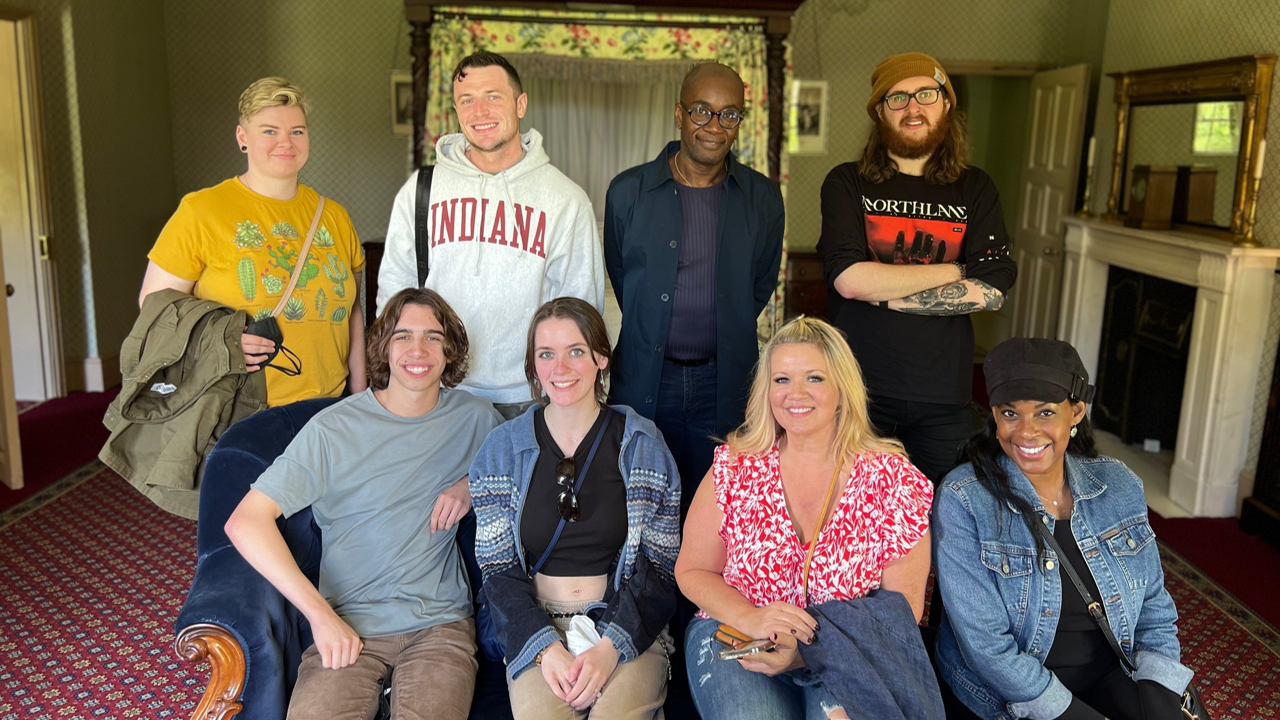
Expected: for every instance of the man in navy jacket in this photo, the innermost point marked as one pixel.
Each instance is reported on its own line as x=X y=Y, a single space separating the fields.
x=692 y=242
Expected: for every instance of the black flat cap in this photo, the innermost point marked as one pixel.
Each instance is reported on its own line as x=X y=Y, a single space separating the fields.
x=1035 y=369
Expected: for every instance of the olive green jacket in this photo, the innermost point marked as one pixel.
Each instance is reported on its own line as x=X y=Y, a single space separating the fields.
x=184 y=385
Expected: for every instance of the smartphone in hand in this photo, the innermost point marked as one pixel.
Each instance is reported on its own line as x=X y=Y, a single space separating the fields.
x=747 y=649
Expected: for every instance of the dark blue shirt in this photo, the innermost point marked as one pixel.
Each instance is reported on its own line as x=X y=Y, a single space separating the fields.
x=643 y=229
x=693 y=306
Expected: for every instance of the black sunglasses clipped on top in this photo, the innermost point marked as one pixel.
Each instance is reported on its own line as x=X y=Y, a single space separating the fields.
x=567 y=503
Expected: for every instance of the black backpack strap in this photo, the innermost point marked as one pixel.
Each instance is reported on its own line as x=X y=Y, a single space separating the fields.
x=422 y=209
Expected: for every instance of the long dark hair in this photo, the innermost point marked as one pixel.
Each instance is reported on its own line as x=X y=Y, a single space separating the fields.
x=983 y=451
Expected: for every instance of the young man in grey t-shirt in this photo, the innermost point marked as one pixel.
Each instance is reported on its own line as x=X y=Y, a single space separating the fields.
x=384 y=473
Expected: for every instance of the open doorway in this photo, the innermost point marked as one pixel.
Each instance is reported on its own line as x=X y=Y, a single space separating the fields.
x=995 y=107
x=1026 y=129
x=33 y=335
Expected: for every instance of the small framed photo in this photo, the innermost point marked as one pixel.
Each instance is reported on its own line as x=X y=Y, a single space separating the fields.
x=401 y=104
x=807 y=131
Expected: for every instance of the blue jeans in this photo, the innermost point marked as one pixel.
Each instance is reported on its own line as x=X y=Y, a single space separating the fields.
x=686 y=415
x=722 y=689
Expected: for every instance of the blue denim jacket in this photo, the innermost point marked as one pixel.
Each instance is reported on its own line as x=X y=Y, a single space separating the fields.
x=642 y=595
x=1003 y=602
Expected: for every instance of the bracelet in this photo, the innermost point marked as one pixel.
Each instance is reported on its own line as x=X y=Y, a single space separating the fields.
x=537 y=659
x=963 y=270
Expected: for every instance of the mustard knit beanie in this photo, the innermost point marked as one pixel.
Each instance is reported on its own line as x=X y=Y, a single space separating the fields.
x=895 y=69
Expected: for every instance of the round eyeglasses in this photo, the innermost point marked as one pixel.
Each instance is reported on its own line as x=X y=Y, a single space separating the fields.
x=729 y=118
x=899 y=100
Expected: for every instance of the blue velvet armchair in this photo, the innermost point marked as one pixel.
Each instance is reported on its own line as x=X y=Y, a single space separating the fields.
x=251 y=636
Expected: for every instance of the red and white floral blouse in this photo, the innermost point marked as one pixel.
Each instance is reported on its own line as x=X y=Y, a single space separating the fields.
x=882 y=513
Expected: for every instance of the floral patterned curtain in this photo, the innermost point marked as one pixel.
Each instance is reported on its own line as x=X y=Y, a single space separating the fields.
x=738 y=43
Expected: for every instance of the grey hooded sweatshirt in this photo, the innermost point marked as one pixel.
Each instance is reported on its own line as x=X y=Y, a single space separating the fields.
x=501 y=245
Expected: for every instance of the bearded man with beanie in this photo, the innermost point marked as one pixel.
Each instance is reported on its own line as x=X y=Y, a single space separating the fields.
x=914 y=241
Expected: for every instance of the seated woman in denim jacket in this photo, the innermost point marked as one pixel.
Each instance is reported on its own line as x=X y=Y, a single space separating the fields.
x=807 y=459
x=1017 y=639
x=607 y=473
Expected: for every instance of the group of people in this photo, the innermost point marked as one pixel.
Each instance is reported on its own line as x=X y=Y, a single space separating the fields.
x=487 y=382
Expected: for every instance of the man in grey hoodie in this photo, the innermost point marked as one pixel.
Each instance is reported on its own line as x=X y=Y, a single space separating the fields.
x=507 y=230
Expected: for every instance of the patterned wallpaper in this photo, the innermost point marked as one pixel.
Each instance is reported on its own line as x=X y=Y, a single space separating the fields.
x=127 y=153
x=1142 y=34
x=341 y=52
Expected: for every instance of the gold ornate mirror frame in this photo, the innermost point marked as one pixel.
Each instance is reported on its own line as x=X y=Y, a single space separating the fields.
x=1247 y=79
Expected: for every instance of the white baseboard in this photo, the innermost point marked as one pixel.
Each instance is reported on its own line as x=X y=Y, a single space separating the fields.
x=92 y=374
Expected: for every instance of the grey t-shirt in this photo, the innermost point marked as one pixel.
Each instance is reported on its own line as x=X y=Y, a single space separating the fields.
x=371 y=479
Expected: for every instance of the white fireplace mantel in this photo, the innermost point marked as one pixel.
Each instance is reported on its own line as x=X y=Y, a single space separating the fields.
x=1233 y=299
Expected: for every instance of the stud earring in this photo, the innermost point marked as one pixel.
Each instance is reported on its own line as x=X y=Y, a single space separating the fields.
x=1074 y=430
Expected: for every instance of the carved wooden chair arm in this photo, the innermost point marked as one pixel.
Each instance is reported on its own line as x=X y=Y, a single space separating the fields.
x=206 y=641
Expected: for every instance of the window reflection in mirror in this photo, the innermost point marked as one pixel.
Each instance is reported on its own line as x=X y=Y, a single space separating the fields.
x=1201 y=138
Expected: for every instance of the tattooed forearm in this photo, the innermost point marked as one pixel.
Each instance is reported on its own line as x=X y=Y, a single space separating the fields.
x=959 y=298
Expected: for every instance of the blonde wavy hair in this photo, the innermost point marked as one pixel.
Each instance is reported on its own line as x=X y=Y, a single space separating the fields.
x=854 y=433
x=270 y=92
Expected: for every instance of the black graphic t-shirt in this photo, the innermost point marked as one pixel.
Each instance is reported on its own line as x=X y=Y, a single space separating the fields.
x=904 y=220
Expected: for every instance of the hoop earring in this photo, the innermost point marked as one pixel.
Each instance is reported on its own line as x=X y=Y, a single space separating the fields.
x=1074 y=430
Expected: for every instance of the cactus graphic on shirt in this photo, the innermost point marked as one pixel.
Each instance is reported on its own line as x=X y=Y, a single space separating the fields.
x=248 y=235
x=248 y=281
x=262 y=314
x=322 y=301
x=287 y=258
x=284 y=230
x=336 y=271
x=294 y=309
x=340 y=313
x=323 y=238
x=273 y=284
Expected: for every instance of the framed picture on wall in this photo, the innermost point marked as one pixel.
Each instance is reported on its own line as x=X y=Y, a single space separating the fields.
x=401 y=104
x=807 y=131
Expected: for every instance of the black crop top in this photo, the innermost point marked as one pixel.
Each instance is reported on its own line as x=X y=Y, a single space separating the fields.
x=590 y=545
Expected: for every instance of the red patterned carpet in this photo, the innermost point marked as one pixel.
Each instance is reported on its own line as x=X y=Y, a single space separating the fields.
x=92 y=575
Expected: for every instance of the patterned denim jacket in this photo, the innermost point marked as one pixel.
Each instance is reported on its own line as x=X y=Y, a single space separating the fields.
x=1003 y=602
x=641 y=597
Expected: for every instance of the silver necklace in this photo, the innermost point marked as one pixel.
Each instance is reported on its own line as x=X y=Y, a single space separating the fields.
x=1057 y=497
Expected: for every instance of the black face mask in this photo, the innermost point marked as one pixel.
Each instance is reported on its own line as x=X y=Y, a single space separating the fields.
x=268 y=328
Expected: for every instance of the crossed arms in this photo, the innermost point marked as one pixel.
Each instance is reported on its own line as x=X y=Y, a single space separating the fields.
x=935 y=289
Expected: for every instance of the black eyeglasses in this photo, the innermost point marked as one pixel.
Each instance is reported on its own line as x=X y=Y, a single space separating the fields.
x=899 y=100
x=729 y=119
x=566 y=473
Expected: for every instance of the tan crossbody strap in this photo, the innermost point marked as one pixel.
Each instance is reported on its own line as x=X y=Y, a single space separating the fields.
x=813 y=538
x=302 y=260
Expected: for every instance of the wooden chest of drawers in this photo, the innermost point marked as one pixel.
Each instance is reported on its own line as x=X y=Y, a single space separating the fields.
x=806 y=291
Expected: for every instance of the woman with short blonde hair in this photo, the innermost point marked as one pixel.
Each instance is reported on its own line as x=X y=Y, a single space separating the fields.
x=238 y=244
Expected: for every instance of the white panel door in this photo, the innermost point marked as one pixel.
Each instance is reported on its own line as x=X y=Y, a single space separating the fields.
x=1051 y=161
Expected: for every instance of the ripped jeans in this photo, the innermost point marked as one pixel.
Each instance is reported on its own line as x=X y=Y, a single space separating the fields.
x=722 y=689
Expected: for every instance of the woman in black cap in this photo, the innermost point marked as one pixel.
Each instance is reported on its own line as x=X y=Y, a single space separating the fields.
x=1029 y=532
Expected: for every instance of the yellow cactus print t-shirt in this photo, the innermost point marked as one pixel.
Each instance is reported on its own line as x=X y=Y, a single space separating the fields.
x=240 y=248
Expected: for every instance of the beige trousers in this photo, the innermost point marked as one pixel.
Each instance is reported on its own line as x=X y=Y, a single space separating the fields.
x=434 y=673
x=635 y=690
